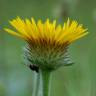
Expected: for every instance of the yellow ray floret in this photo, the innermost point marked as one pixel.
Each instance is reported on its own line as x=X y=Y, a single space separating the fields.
x=30 y=30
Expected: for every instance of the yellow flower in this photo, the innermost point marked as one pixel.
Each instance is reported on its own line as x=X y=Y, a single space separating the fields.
x=29 y=30
x=47 y=41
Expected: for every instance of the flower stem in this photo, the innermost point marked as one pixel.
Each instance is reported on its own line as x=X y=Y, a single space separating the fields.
x=45 y=82
x=42 y=83
x=36 y=84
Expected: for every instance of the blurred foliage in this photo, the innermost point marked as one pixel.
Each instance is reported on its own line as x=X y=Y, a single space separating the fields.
x=76 y=80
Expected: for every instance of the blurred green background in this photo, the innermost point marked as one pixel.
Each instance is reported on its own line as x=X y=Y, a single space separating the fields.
x=76 y=80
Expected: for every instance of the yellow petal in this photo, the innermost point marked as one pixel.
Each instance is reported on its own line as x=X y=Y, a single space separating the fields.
x=13 y=32
x=78 y=37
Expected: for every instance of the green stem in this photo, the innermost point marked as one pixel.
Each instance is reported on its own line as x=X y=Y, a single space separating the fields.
x=45 y=82
x=42 y=83
x=36 y=84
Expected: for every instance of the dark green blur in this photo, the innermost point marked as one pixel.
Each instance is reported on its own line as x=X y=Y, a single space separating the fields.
x=77 y=80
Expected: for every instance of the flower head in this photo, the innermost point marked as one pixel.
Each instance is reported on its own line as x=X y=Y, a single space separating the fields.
x=46 y=42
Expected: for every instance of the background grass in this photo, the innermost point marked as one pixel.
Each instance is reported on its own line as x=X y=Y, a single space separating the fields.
x=76 y=80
